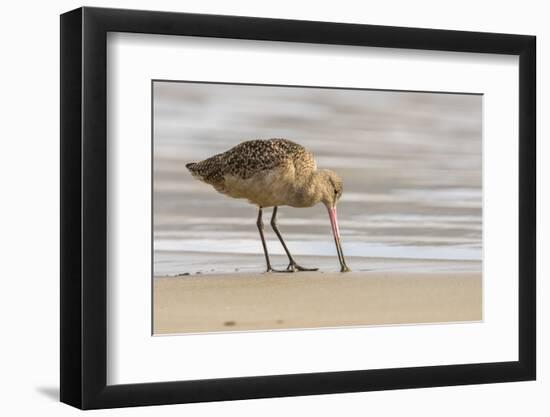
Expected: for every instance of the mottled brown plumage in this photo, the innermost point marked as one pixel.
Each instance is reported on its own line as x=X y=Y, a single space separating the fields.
x=251 y=158
x=272 y=173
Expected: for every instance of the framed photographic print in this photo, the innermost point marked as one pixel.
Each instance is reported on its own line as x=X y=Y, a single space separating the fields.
x=257 y=208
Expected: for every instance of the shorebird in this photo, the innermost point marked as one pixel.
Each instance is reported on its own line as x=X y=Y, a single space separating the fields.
x=273 y=173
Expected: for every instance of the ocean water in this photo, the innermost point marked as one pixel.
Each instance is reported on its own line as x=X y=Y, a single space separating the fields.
x=411 y=165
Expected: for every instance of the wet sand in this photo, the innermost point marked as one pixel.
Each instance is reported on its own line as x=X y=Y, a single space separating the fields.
x=262 y=301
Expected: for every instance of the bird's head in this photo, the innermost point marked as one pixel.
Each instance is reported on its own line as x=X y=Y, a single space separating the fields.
x=330 y=187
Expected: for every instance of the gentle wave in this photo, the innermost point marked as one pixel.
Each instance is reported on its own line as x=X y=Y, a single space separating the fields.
x=320 y=248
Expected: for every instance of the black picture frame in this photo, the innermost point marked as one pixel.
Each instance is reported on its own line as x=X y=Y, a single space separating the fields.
x=84 y=207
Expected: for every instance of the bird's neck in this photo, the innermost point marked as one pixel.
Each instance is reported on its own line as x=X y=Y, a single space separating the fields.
x=307 y=190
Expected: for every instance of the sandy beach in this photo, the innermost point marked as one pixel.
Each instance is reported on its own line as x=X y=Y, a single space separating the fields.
x=261 y=301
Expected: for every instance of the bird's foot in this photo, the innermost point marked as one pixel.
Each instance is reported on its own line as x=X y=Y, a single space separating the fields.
x=280 y=270
x=293 y=267
x=300 y=268
x=271 y=269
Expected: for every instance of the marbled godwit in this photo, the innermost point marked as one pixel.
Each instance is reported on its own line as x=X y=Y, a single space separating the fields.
x=273 y=173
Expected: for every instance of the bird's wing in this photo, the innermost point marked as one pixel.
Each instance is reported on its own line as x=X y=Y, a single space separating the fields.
x=251 y=157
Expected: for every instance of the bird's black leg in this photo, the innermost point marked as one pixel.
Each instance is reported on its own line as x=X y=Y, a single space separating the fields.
x=260 y=224
x=292 y=265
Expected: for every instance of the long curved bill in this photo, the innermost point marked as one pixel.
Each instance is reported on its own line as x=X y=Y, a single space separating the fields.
x=336 y=234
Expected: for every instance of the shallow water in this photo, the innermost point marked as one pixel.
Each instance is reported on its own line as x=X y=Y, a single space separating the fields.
x=411 y=165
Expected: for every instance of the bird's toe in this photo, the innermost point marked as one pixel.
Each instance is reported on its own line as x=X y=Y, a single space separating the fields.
x=280 y=270
x=301 y=268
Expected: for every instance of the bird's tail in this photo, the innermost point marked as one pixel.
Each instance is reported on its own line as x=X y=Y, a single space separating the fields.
x=207 y=170
x=195 y=169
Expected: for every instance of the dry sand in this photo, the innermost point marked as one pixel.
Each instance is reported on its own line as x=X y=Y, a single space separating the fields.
x=264 y=301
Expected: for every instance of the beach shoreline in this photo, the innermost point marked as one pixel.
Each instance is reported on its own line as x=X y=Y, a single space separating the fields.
x=270 y=301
